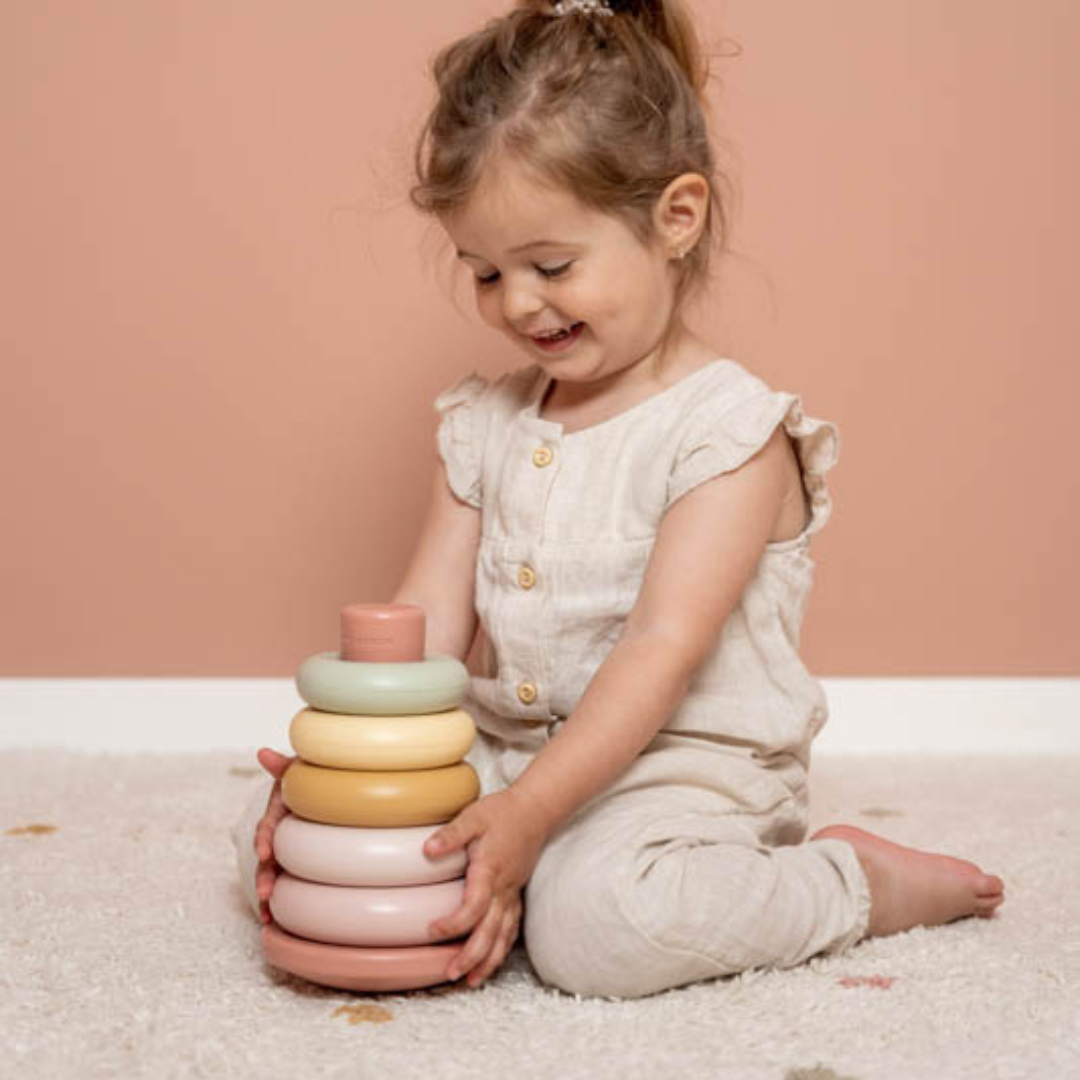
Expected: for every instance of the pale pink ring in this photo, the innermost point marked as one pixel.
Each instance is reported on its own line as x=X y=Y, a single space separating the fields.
x=348 y=915
x=349 y=855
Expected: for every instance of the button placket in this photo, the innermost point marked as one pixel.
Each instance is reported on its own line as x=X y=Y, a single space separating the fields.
x=525 y=607
x=527 y=690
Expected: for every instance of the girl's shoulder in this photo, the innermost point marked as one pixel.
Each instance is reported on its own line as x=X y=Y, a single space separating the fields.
x=727 y=381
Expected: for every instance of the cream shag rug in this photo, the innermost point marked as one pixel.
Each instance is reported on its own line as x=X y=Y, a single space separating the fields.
x=127 y=951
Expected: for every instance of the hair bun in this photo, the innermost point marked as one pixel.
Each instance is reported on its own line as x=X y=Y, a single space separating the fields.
x=650 y=10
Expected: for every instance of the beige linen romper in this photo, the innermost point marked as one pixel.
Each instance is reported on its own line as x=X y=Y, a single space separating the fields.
x=691 y=865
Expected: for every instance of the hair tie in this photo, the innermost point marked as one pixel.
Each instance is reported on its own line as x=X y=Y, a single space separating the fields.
x=586 y=7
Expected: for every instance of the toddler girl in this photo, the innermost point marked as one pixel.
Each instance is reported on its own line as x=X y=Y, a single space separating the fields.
x=626 y=520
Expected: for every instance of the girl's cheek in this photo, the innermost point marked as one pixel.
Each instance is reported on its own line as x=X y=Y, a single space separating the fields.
x=489 y=312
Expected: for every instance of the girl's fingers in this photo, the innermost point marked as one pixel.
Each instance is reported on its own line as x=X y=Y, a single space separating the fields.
x=479 y=945
x=504 y=942
x=264 y=831
x=476 y=901
x=264 y=834
x=276 y=808
x=264 y=888
x=265 y=877
x=273 y=762
x=453 y=836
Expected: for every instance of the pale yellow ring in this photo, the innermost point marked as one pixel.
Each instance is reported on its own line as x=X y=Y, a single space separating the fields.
x=424 y=741
x=378 y=799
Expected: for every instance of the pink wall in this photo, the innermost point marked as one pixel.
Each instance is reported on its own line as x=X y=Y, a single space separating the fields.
x=223 y=325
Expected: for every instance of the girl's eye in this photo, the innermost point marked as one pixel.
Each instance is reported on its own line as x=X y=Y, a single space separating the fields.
x=552 y=272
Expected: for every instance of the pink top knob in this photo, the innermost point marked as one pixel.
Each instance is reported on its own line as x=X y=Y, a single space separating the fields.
x=382 y=633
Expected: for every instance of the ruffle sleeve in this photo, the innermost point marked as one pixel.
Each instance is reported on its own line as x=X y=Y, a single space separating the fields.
x=460 y=436
x=720 y=438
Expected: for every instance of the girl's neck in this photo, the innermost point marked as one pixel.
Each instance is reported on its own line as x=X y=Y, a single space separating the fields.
x=577 y=405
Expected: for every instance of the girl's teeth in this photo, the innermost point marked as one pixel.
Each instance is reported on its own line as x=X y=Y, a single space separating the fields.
x=558 y=335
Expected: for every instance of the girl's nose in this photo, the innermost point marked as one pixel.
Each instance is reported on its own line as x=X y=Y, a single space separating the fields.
x=520 y=303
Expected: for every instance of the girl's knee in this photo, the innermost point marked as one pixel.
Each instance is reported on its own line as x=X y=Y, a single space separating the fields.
x=572 y=937
x=583 y=936
x=568 y=922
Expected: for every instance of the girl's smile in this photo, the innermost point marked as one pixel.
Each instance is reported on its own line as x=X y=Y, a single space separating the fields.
x=562 y=340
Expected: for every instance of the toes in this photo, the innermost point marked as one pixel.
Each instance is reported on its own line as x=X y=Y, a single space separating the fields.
x=989 y=885
x=985 y=907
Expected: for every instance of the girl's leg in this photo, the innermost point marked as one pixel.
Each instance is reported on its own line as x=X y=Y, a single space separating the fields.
x=243 y=837
x=640 y=894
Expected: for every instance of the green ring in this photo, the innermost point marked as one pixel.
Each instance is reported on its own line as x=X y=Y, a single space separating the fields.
x=359 y=688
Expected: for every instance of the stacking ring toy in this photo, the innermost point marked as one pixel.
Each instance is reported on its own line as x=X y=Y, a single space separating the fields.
x=328 y=683
x=342 y=915
x=341 y=856
x=349 y=968
x=426 y=741
x=379 y=799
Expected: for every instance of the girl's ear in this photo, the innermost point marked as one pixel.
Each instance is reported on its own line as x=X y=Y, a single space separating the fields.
x=680 y=212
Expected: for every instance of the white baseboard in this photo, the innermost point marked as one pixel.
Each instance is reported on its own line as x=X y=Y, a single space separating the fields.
x=905 y=715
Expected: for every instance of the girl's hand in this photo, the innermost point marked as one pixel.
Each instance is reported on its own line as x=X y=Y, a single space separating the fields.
x=266 y=873
x=503 y=842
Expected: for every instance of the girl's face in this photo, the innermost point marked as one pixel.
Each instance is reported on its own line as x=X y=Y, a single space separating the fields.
x=542 y=262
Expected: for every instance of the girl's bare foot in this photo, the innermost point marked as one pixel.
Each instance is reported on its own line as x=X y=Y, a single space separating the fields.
x=916 y=888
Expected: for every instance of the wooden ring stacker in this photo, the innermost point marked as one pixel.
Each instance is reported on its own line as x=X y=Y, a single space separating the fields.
x=378 y=799
x=373 y=917
x=336 y=855
x=350 y=968
x=372 y=635
x=424 y=741
x=400 y=688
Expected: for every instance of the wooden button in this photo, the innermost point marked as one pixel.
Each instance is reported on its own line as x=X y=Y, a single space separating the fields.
x=526 y=577
x=542 y=457
x=526 y=693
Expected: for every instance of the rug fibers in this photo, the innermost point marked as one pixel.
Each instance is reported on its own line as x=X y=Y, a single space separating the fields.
x=127 y=951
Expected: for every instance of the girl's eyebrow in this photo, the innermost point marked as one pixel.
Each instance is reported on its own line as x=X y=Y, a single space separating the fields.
x=521 y=247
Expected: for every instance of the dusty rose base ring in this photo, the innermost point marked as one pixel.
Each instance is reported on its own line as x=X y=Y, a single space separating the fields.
x=350 y=968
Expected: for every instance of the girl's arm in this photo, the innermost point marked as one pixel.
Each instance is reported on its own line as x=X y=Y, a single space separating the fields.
x=707 y=549
x=441 y=574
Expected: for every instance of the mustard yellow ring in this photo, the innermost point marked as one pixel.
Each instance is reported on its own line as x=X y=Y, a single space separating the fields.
x=378 y=799
x=424 y=741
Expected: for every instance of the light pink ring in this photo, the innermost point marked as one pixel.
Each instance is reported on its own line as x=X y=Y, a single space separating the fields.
x=348 y=915
x=347 y=855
